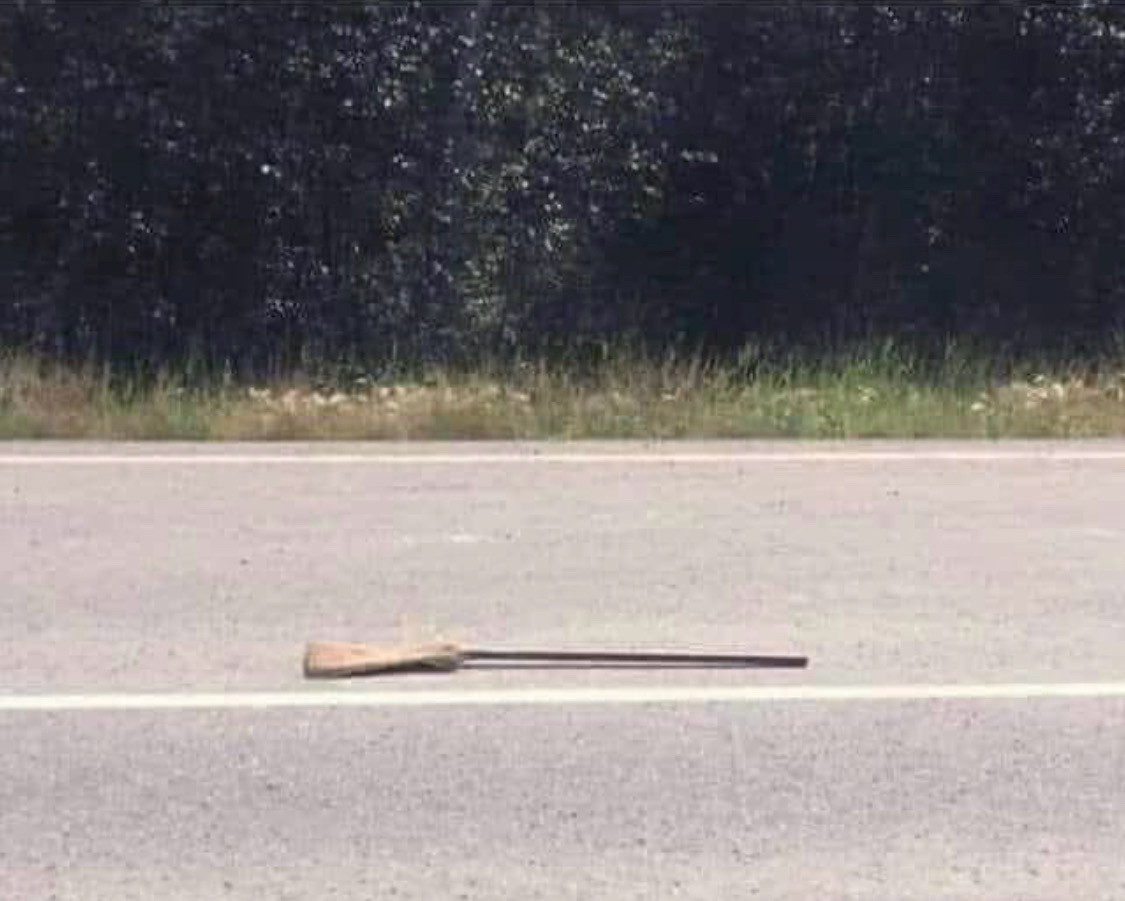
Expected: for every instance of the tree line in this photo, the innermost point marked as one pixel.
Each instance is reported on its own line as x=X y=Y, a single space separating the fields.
x=263 y=183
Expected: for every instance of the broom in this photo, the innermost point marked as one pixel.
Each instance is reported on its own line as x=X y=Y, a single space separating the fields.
x=336 y=659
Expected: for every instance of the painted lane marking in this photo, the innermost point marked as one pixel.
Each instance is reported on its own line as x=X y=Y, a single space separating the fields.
x=576 y=458
x=554 y=697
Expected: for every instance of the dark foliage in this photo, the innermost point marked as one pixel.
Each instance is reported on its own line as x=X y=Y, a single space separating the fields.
x=260 y=183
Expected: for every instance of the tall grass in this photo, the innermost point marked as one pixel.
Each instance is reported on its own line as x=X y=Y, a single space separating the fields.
x=879 y=391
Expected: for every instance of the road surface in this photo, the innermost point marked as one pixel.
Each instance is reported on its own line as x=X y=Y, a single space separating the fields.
x=960 y=732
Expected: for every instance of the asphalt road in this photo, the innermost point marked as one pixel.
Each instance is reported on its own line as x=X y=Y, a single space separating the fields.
x=169 y=578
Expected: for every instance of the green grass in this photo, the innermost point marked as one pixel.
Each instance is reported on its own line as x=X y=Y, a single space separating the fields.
x=878 y=392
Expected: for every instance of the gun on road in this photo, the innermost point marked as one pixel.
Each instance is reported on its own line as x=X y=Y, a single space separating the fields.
x=339 y=659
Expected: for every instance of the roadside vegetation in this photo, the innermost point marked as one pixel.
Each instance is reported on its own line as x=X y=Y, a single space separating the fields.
x=272 y=184
x=873 y=393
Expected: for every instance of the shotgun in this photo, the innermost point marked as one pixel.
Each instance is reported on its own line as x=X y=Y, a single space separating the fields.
x=337 y=659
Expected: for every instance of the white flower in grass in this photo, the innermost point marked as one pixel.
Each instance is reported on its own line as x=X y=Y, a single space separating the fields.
x=291 y=399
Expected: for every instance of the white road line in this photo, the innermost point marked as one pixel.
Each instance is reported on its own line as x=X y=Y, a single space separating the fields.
x=554 y=697
x=576 y=458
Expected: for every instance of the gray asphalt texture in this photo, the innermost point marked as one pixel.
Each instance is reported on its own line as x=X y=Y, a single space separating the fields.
x=178 y=577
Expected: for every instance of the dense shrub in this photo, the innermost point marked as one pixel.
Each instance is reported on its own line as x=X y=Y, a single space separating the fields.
x=261 y=183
